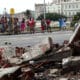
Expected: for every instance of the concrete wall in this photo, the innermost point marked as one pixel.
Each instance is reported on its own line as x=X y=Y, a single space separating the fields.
x=53 y=24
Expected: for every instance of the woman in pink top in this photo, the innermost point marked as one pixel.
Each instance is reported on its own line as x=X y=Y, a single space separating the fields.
x=23 y=25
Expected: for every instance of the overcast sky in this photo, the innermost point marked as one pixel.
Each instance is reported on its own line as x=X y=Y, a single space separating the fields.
x=19 y=5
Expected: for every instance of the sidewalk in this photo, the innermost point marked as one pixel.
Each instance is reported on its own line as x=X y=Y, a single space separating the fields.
x=39 y=31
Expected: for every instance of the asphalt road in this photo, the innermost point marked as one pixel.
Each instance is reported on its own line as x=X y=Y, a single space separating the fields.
x=23 y=40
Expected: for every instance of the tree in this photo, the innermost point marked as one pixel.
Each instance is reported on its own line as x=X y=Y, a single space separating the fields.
x=75 y=19
x=27 y=13
x=51 y=16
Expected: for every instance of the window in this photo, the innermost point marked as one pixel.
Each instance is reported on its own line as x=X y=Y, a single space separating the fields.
x=65 y=6
x=69 y=13
x=77 y=0
x=73 y=6
x=58 y=11
x=76 y=5
x=69 y=6
x=64 y=0
x=65 y=13
x=73 y=13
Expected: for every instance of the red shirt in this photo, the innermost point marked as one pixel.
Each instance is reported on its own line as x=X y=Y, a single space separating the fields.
x=48 y=22
x=31 y=23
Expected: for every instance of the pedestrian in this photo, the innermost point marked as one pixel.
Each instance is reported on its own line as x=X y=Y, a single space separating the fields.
x=27 y=23
x=23 y=25
x=16 y=26
x=43 y=25
x=48 y=25
x=5 y=24
x=63 y=23
x=0 y=26
x=10 y=28
x=32 y=25
x=2 y=22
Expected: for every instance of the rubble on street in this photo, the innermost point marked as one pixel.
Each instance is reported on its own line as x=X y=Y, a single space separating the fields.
x=44 y=61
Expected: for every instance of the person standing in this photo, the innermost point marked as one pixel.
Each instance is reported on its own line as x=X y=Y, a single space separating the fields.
x=48 y=25
x=16 y=26
x=23 y=25
x=27 y=23
x=60 y=23
x=2 y=22
x=31 y=25
x=43 y=25
x=63 y=23
x=10 y=28
x=5 y=24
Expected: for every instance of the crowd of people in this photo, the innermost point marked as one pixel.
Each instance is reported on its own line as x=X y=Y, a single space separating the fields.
x=45 y=25
x=13 y=25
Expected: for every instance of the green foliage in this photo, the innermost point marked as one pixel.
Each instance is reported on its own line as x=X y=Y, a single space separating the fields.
x=27 y=13
x=51 y=16
x=73 y=23
x=75 y=19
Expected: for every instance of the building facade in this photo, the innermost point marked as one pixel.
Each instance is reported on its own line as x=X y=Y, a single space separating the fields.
x=61 y=1
x=70 y=8
x=53 y=8
x=39 y=9
x=66 y=7
x=20 y=16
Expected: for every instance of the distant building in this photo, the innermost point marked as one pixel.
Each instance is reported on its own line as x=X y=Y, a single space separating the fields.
x=39 y=9
x=66 y=7
x=50 y=8
x=33 y=14
x=61 y=1
x=53 y=8
x=70 y=8
x=19 y=15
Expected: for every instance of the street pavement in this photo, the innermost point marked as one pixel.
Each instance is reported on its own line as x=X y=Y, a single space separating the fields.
x=24 y=40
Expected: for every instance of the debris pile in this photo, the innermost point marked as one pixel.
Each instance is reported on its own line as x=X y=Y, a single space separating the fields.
x=44 y=61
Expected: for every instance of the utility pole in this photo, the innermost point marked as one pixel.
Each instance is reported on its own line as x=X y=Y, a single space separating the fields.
x=5 y=13
x=48 y=7
x=44 y=10
x=61 y=7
